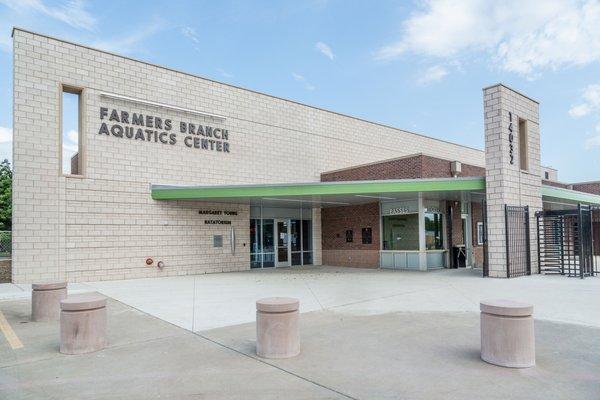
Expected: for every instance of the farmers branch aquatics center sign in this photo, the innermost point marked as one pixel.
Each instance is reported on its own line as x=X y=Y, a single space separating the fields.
x=150 y=128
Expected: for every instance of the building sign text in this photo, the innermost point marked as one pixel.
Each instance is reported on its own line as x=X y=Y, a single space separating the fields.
x=150 y=128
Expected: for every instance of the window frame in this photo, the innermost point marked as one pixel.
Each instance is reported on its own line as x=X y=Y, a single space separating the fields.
x=80 y=91
x=479 y=226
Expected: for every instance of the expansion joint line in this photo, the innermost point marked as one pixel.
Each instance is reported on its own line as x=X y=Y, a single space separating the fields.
x=275 y=366
x=246 y=355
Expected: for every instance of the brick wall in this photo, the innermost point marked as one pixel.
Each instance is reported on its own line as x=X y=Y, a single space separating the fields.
x=410 y=167
x=506 y=183
x=477 y=216
x=457 y=229
x=588 y=187
x=335 y=221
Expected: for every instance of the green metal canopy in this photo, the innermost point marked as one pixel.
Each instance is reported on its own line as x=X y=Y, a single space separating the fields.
x=380 y=187
x=352 y=192
x=552 y=192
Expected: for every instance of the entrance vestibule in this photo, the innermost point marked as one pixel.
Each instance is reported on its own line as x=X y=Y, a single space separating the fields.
x=280 y=237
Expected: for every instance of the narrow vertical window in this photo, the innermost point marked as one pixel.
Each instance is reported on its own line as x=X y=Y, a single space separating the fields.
x=523 y=147
x=71 y=132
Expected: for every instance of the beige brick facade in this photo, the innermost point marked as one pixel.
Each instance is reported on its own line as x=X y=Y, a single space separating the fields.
x=104 y=225
x=506 y=183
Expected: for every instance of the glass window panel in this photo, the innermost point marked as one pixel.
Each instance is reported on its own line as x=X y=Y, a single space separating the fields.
x=401 y=232
x=349 y=236
x=255 y=260
x=296 y=258
x=295 y=238
x=308 y=257
x=306 y=235
x=268 y=260
x=71 y=143
x=433 y=231
x=367 y=235
x=268 y=235
x=255 y=236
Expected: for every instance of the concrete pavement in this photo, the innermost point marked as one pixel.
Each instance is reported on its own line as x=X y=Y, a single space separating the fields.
x=398 y=355
x=365 y=334
x=210 y=301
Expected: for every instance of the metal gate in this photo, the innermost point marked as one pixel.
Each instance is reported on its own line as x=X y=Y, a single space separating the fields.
x=518 y=255
x=566 y=242
x=596 y=230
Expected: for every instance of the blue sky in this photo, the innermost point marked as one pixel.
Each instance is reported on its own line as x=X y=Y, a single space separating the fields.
x=419 y=66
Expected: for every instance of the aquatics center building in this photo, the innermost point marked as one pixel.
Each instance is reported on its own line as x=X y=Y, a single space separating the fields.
x=124 y=169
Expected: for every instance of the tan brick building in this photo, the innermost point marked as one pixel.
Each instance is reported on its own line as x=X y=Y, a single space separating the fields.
x=124 y=169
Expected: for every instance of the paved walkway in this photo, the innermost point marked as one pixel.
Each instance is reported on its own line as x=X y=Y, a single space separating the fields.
x=371 y=334
x=421 y=356
x=211 y=301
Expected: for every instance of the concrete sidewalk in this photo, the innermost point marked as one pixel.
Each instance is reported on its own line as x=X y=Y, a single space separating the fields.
x=424 y=356
x=15 y=291
x=210 y=301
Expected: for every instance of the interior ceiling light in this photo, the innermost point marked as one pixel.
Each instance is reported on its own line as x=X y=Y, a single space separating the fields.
x=306 y=201
x=375 y=197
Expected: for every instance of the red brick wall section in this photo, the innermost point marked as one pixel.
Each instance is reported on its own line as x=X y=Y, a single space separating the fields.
x=432 y=167
x=591 y=187
x=457 y=231
x=335 y=221
x=402 y=168
x=411 y=167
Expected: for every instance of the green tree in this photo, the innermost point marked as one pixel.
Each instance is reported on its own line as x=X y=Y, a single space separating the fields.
x=5 y=196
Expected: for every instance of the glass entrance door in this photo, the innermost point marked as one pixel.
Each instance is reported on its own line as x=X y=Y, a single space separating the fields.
x=283 y=243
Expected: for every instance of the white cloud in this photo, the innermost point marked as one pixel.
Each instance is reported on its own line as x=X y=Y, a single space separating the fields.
x=70 y=149
x=127 y=43
x=73 y=136
x=190 y=33
x=224 y=73
x=594 y=141
x=432 y=74
x=580 y=110
x=325 y=49
x=590 y=104
x=303 y=80
x=521 y=36
x=5 y=134
x=70 y=12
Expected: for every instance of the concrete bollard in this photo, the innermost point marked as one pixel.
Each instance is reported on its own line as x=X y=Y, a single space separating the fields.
x=507 y=336
x=277 y=328
x=45 y=300
x=83 y=323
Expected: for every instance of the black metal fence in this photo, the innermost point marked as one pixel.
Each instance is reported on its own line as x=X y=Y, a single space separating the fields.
x=566 y=242
x=518 y=255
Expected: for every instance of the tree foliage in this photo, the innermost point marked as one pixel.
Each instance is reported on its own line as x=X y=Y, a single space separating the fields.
x=5 y=196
